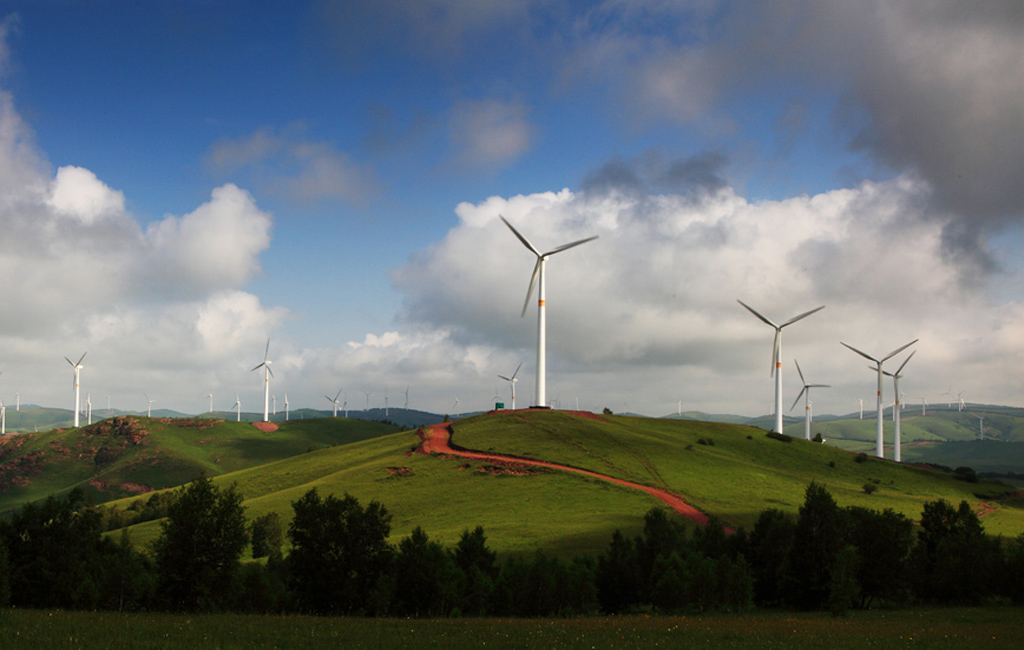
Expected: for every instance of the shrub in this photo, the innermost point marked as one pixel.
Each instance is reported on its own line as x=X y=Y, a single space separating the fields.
x=870 y=488
x=860 y=458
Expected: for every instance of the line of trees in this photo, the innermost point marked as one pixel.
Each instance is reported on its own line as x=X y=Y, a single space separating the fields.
x=54 y=554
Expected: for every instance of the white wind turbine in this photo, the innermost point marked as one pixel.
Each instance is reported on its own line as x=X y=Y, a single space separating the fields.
x=367 y=399
x=267 y=374
x=274 y=398
x=861 y=400
x=807 y=404
x=879 y=451
x=335 y=402
x=210 y=395
x=406 y=399
x=88 y=408
x=776 y=369
x=238 y=408
x=455 y=407
x=981 y=425
x=78 y=374
x=512 y=380
x=3 y=419
x=149 y=407
x=897 y=445
x=286 y=407
x=538 y=280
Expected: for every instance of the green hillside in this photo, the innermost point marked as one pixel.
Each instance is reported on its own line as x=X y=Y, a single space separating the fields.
x=130 y=454
x=730 y=471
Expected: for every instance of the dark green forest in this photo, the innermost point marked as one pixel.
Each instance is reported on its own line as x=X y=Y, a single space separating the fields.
x=53 y=554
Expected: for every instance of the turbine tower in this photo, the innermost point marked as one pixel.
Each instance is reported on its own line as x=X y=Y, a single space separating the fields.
x=267 y=374
x=538 y=281
x=335 y=402
x=776 y=368
x=78 y=373
x=238 y=408
x=211 y=402
x=807 y=405
x=897 y=445
x=512 y=380
x=149 y=407
x=3 y=419
x=286 y=407
x=879 y=451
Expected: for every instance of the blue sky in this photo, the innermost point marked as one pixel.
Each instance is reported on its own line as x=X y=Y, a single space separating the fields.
x=192 y=178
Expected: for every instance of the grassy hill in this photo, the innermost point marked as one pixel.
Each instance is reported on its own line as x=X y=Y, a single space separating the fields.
x=726 y=470
x=128 y=454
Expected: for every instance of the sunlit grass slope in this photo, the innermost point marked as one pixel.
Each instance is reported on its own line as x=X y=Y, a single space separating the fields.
x=115 y=457
x=739 y=474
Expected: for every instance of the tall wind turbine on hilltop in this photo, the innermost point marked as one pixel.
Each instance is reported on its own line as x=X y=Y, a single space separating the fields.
x=149 y=406
x=897 y=446
x=776 y=369
x=238 y=408
x=538 y=280
x=512 y=380
x=78 y=374
x=267 y=374
x=807 y=404
x=879 y=451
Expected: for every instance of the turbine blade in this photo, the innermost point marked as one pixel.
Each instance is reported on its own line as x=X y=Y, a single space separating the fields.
x=70 y=361
x=754 y=312
x=900 y=369
x=338 y=394
x=517 y=370
x=803 y=315
x=568 y=246
x=533 y=283
x=802 y=380
x=267 y=351
x=526 y=242
x=504 y=377
x=258 y=367
x=269 y=371
x=899 y=349
x=797 y=400
x=866 y=356
x=85 y=353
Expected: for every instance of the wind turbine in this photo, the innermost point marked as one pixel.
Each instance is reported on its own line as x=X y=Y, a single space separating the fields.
x=17 y=401
x=897 y=448
x=981 y=425
x=512 y=380
x=538 y=280
x=238 y=408
x=807 y=404
x=78 y=373
x=924 y=406
x=149 y=407
x=386 y=404
x=455 y=407
x=861 y=400
x=274 y=397
x=407 y=399
x=879 y=452
x=286 y=407
x=3 y=419
x=335 y=402
x=367 y=400
x=267 y=374
x=776 y=369
x=211 y=402
x=960 y=398
x=88 y=408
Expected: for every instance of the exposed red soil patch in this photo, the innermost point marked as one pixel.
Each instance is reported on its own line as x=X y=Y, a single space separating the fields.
x=399 y=471
x=265 y=427
x=436 y=439
x=116 y=488
x=982 y=508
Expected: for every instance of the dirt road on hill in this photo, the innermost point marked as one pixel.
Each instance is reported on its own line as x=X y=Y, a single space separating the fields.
x=436 y=438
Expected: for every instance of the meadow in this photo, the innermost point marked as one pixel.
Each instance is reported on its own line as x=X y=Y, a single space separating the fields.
x=933 y=628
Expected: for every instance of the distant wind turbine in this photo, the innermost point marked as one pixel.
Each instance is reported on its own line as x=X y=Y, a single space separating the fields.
x=238 y=408
x=274 y=398
x=335 y=402
x=879 y=450
x=407 y=398
x=776 y=368
x=3 y=419
x=455 y=406
x=897 y=445
x=861 y=400
x=538 y=280
x=149 y=407
x=286 y=407
x=981 y=425
x=210 y=395
x=78 y=373
x=17 y=401
x=367 y=400
x=88 y=408
x=267 y=374
x=512 y=380
x=807 y=404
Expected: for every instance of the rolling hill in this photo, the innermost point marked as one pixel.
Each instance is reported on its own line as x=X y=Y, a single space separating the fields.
x=729 y=471
x=132 y=454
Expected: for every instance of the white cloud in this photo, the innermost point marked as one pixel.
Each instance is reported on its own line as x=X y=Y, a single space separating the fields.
x=77 y=193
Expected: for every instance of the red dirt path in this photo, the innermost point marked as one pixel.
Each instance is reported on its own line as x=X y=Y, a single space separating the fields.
x=436 y=439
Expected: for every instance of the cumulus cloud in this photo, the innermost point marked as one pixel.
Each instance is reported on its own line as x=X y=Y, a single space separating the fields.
x=157 y=309
x=289 y=164
x=652 y=304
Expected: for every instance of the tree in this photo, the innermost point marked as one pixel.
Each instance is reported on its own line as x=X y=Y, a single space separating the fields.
x=817 y=540
x=618 y=575
x=426 y=577
x=479 y=571
x=883 y=541
x=266 y=535
x=770 y=542
x=953 y=560
x=339 y=552
x=197 y=553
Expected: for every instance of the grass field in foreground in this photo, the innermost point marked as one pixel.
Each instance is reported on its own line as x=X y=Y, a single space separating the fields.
x=938 y=629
